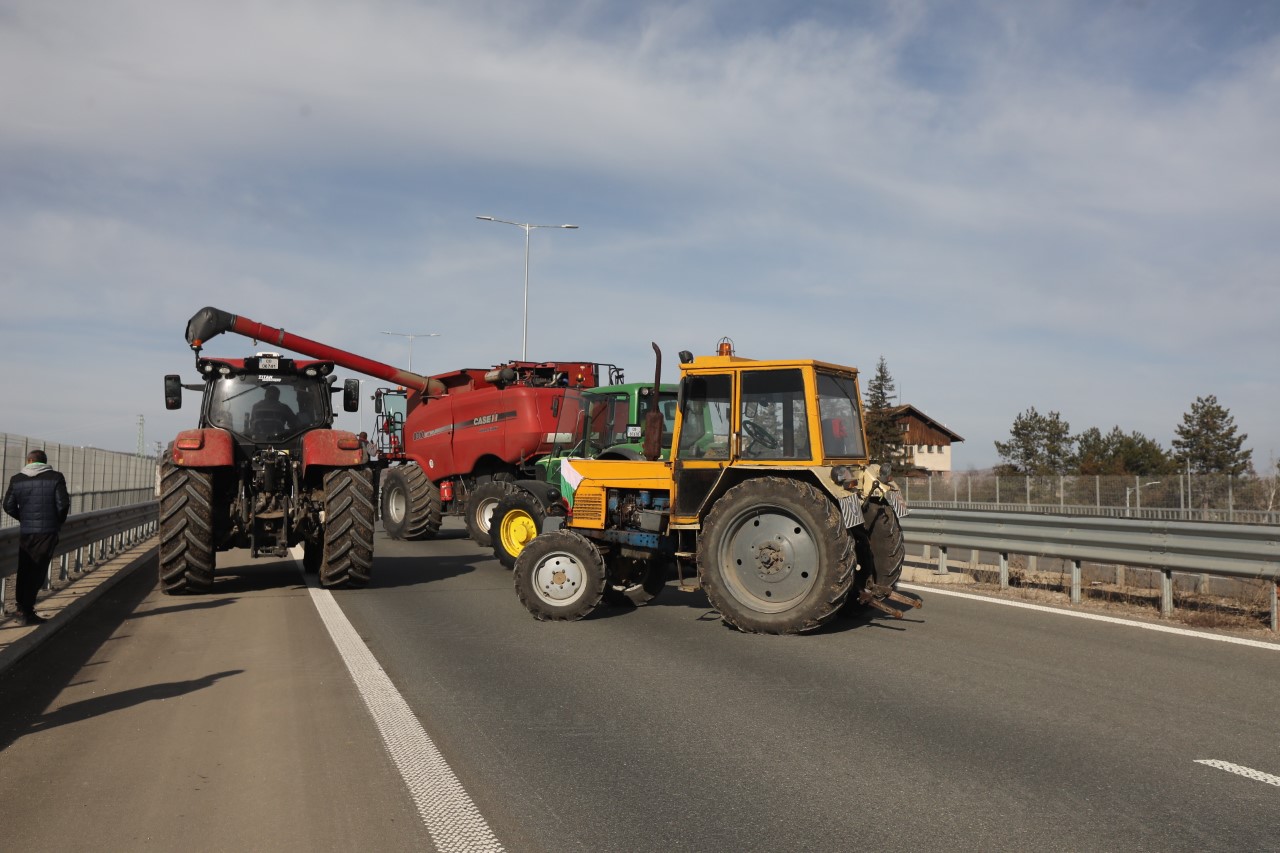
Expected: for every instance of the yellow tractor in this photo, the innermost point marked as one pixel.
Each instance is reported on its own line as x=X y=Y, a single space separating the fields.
x=768 y=493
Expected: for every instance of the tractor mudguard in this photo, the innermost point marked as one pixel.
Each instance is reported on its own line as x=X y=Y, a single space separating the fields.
x=331 y=448
x=539 y=489
x=203 y=448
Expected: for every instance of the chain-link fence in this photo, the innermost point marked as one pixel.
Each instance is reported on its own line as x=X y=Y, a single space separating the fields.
x=96 y=479
x=1176 y=497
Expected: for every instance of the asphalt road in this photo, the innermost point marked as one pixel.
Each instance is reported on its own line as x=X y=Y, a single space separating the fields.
x=230 y=724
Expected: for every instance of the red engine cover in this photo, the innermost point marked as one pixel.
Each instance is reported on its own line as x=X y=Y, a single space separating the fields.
x=448 y=435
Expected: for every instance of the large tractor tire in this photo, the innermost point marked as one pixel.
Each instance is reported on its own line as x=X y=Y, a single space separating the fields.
x=480 y=507
x=774 y=557
x=348 y=528
x=186 y=529
x=410 y=503
x=515 y=523
x=880 y=546
x=634 y=581
x=560 y=576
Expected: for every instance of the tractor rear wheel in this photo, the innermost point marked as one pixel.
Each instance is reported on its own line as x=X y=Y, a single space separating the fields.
x=348 y=528
x=480 y=508
x=774 y=556
x=635 y=580
x=410 y=503
x=560 y=576
x=515 y=523
x=186 y=529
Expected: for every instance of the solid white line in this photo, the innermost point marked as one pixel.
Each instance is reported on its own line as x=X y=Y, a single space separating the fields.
x=1247 y=772
x=451 y=818
x=1146 y=626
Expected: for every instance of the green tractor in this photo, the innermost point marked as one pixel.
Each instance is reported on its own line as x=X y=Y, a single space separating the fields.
x=605 y=423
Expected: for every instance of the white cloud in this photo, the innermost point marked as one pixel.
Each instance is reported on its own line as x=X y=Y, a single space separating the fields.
x=1003 y=203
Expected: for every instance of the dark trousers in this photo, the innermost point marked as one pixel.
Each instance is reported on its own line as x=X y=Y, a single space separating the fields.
x=35 y=550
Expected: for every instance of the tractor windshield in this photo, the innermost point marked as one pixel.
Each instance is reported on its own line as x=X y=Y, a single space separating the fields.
x=611 y=423
x=270 y=408
x=841 y=418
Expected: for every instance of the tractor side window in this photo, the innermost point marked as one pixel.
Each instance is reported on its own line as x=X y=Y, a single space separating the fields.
x=667 y=405
x=706 y=405
x=774 y=418
x=841 y=420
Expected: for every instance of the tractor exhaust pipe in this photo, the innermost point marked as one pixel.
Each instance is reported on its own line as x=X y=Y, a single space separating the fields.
x=653 y=420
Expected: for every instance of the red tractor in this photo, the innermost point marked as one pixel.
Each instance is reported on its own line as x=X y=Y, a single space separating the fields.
x=460 y=442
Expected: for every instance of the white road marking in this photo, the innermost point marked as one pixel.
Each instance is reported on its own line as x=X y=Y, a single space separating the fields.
x=451 y=818
x=1247 y=772
x=1147 y=626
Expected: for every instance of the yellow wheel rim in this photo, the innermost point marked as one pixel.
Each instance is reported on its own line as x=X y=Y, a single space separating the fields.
x=518 y=530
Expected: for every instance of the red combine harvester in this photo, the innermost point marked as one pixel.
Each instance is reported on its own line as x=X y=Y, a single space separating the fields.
x=464 y=437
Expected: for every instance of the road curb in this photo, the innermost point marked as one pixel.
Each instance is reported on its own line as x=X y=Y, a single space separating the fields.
x=18 y=640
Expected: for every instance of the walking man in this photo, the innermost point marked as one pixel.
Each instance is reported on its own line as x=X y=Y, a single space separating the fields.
x=37 y=497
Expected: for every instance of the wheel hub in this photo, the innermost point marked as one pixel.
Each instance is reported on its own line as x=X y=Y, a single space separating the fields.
x=772 y=560
x=769 y=560
x=559 y=578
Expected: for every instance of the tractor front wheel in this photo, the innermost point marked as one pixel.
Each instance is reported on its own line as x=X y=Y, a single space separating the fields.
x=515 y=522
x=560 y=576
x=186 y=529
x=774 y=556
x=348 y=528
x=410 y=503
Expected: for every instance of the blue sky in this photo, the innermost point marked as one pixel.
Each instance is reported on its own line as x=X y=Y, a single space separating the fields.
x=1073 y=206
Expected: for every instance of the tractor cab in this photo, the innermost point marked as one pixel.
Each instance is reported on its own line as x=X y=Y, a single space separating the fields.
x=266 y=399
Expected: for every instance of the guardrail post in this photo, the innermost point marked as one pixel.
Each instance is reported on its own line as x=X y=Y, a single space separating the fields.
x=1075 y=581
x=1275 y=611
x=942 y=560
x=1004 y=570
x=1166 y=592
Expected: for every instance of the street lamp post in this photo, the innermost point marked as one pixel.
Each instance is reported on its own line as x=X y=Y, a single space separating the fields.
x=411 y=337
x=1128 y=490
x=527 y=226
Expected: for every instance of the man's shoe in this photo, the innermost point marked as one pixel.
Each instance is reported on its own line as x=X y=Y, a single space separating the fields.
x=32 y=618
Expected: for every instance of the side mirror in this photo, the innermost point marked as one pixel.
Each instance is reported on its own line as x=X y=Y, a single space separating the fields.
x=173 y=391
x=377 y=404
x=351 y=395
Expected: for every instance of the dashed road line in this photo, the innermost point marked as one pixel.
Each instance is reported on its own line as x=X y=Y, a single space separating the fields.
x=450 y=816
x=1247 y=772
x=1146 y=626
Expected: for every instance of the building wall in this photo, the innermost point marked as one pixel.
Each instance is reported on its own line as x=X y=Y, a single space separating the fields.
x=934 y=457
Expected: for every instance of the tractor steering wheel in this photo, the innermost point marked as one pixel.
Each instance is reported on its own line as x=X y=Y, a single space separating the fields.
x=758 y=433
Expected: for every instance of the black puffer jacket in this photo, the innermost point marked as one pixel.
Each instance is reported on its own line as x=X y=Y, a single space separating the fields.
x=39 y=502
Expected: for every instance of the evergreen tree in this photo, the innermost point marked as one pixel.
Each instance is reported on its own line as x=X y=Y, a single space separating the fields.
x=1038 y=444
x=1120 y=453
x=884 y=438
x=1207 y=440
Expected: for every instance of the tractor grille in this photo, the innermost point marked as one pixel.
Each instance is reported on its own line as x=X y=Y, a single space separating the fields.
x=588 y=508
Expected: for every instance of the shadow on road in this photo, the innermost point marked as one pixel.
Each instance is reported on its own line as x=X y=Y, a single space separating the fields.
x=391 y=572
x=35 y=681
x=191 y=603
x=97 y=706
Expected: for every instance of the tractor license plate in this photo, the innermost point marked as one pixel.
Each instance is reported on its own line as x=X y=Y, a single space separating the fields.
x=268 y=364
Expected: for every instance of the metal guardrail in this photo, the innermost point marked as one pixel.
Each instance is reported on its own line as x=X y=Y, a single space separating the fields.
x=87 y=539
x=1236 y=550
